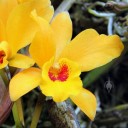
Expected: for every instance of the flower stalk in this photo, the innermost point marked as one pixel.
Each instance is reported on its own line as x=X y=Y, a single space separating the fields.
x=18 y=114
x=37 y=112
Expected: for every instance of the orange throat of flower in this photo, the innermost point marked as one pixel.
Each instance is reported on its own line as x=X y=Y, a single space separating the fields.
x=60 y=73
x=2 y=55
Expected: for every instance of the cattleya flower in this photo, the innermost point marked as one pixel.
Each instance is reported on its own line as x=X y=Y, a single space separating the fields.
x=61 y=62
x=17 y=29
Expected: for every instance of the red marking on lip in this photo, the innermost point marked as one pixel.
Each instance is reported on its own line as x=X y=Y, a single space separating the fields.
x=60 y=74
x=2 y=55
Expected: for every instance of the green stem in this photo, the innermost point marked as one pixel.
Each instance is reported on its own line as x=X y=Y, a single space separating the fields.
x=37 y=111
x=20 y=110
x=18 y=114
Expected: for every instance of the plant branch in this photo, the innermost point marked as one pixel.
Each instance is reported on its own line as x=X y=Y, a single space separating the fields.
x=62 y=115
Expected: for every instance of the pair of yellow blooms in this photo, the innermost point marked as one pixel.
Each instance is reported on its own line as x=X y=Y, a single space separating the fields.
x=60 y=59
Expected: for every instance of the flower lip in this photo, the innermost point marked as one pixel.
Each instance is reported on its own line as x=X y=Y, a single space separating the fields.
x=59 y=72
x=2 y=55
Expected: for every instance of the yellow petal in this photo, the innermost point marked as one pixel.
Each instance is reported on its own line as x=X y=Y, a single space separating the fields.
x=61 y=89
x=6 y=6
x=21 y=27
x=21 y=1
x=86 y=101
x=4 y=64
x=5 y=47
x=43 y=11
x=62 y=27
x=93 y=50
x=42 y=47
x=42 y=7
x=2 y=31
x=21 y=61
x=24 y=82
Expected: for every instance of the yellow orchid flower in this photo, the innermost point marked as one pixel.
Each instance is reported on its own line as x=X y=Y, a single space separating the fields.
x=17 y=29
x=61 y=61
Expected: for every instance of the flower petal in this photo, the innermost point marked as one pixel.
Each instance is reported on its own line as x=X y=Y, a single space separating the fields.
x=89 y=46
x=6 y=6
x=21 y=61
x=62 y=27
x=86 y=101
x=42 y=47
x=4 y=64
x=24 y=82
x=2 y=31
x=21 y=27
x=21 y=1
x=43 y=8
x=61 y=90
x=5 y=47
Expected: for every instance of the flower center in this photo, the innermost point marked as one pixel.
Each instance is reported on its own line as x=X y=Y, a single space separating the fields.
x=59 y=73
x=2 y=55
